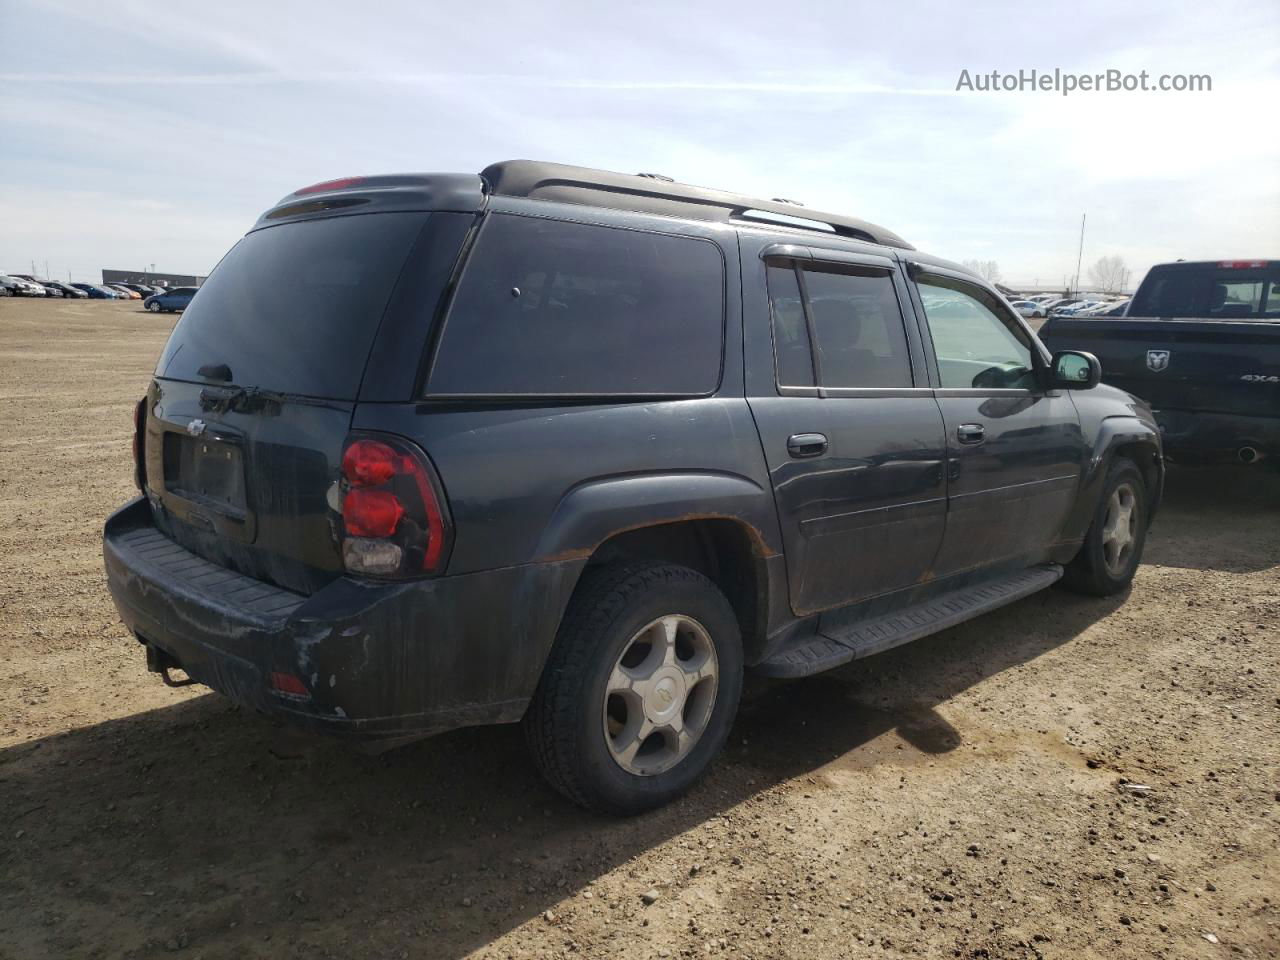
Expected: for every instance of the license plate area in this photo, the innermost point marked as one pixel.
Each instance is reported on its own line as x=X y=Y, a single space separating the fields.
x=206 y=472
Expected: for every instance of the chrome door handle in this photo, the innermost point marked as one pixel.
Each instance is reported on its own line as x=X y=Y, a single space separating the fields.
x=971 y=433
x=801 y=445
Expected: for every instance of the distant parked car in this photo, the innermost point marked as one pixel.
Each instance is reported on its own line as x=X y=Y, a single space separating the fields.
x=1028 y=308
x=1117 y=309
x=96 y=292
x=1064 y=305
x=124 y=291
x=65 y=289
x=10 y=286
x=156 y=288
x=1077 y=308
x=171 y=300
x=34 y=287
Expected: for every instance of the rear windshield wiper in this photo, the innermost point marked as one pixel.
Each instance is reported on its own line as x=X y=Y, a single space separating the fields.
x=251 y=400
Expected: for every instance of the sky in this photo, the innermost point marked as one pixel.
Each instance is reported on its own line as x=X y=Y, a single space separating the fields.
x=134 y=133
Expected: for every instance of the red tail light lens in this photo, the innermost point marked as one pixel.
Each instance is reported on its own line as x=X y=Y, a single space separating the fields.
x=393 y=524
x=368 y=463
x=371 y=513
x=1241 y=264
x=289 y=685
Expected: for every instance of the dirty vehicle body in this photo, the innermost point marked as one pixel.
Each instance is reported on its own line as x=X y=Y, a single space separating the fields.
x=1200 y=342
x=575 y=448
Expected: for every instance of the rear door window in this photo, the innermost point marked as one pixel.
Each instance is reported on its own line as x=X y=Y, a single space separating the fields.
x=548 y=307
x=295 y=307
x=790 y=333
x=857 y=327
x=845 y=325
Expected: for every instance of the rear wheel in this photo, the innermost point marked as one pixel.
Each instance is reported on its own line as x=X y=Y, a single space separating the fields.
x=1112 y=548
x=640 y=690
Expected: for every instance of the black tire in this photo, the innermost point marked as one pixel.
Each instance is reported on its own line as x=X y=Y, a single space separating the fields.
x=1089 y=572
x=154 y=308
x=565 y=722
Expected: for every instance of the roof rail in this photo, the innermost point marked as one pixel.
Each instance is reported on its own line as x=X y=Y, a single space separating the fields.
x=654 y=193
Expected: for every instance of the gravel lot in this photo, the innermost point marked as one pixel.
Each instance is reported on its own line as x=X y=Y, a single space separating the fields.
x=963 y=796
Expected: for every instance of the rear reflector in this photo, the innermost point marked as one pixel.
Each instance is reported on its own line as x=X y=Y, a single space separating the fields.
x=329 y=185
x=289 y=685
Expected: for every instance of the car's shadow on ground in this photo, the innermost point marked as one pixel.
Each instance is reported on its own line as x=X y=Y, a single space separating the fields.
x=200 y=824
x=1199 y=526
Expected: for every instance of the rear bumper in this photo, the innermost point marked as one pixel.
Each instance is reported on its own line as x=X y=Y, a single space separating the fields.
x=381 y=661
x=1196 y=437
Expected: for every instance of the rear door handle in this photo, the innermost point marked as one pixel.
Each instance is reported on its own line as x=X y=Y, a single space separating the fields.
x=801 y=445
x=971 y=433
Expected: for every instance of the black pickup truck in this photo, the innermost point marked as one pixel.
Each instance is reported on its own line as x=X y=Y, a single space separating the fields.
x=1201 y=344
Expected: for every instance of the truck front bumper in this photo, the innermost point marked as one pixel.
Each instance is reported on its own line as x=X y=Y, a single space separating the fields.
x=388 y=661
x=1198 y=437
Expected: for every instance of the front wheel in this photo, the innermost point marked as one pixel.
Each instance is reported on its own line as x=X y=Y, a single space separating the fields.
x=154 y=307
x=1112 y=548
x=640 y=690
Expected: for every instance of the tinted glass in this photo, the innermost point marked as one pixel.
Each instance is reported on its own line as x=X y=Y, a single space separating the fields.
x=294 y=308
x=857 y=326
x=547 y=307
x=1203 y=291
x=1272 y=306
x=790 y=336
x=977 y=343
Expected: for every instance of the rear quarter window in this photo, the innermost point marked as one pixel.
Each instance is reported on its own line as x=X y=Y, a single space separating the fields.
x=548 y=307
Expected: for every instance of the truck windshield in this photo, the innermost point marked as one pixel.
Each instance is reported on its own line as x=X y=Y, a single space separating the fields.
x=1209 y=291
x=294 y=308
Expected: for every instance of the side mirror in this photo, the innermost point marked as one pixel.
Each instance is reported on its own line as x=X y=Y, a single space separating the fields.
x=1076 y=370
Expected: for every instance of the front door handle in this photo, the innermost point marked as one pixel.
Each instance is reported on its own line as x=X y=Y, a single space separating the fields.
x=971 y=433
x=801 y=445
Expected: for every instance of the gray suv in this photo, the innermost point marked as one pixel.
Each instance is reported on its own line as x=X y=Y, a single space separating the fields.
x=577 y=448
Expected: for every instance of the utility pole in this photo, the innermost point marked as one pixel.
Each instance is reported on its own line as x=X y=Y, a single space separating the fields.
x=1080 y=253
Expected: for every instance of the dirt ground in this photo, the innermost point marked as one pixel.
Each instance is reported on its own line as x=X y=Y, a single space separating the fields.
x=962 y=796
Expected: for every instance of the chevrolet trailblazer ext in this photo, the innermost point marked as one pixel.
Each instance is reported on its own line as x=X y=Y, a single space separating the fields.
x=574 y=448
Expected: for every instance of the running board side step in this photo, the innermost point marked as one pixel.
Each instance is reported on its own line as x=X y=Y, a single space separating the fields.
x=814 y=653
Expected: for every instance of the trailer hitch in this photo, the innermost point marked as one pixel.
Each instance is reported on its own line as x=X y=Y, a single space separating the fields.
x=158 y=661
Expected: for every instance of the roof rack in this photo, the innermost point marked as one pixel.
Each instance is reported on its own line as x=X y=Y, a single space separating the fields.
x=654 y=193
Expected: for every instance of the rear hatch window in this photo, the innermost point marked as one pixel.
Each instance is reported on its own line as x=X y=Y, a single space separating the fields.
x=1210 y=291
x=295 y=307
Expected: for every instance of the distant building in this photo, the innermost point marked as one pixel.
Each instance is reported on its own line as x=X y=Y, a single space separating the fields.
x=151 y=279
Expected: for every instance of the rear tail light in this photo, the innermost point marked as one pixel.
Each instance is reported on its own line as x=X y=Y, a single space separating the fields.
x=140 y=443
x=392 y=520
x=1241 y=264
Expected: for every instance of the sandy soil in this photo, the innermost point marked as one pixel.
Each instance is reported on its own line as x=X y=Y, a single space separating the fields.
x=962 y=796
